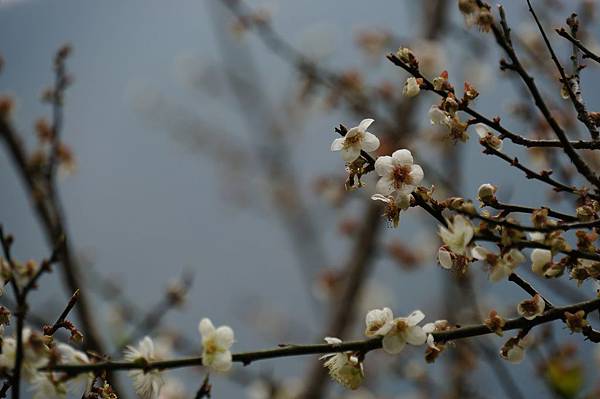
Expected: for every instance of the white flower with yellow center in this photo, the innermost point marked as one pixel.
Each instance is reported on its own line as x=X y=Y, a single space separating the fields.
x=355 y=140
x=398 y=173
x=215 y=345
x=404 y=330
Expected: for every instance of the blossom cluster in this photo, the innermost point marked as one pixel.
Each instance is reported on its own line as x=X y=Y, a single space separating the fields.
x=399 y=176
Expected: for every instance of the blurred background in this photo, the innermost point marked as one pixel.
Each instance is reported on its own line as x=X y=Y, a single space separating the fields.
x=201 y=134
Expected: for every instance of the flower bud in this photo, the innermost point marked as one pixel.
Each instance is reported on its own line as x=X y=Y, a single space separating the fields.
x=487 y=193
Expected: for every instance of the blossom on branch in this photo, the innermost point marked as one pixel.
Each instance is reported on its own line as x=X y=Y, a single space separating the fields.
x=215 y=345
x=532 y=308
x=345 y=368
x=147 y=384
x=355 y=140
x=501 y=266
x=398 y=173
x=404 y=330
x=457 y=236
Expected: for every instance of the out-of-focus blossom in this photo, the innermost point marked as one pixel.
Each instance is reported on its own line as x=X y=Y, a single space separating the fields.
x=457 y=236
x=147 y=384
x=345 y=368
x=501 y=265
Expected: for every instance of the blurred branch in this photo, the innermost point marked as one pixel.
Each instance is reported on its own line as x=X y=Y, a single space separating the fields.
x=587 y=53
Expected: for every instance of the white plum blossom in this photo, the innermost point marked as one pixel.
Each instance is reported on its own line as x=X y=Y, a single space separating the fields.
x=540 y=260
x=439 y=117
x=502 y=266
x=532 y=308
x=488 y=137
x=457 y=236
x=355 y=140
x=216 y=343
x=404 y=330
x=411 y=87
x=147 y=384
x=345 y=368
x=379 y=322
x=398 y=173
x=513 y=350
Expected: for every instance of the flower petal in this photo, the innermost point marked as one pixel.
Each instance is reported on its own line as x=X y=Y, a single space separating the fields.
x=415 y=336
x=337 y=144
x=416 y=174
x=393 y=343
x=225 y=337
x=384 y=165
x=385 y=185
x=206 y=327
x=480 y=253
x=364 y=124
x=221 y=361
x=415 y=318
x=370 y=142
x=402 y=157
x=351 y=153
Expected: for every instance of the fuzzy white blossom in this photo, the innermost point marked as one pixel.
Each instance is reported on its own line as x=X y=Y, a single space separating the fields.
x=501 y=265
x=44 y=386
x=345 y=368
x=457 y=236
x=411 y=87
x=355 y=140
x=404 y=330
x=540 y=260
x=438 y=116
x=147 y=384
x=398 y=173
x=216 y=343
x=35 y=354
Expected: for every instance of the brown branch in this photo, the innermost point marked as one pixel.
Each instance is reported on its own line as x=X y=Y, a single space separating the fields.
x=502 y=36
x=495 y=122
x=582 y=114
x=542 y=176
x=512 y=208
x=362 y=346
x=587 y=53
x=60 y=322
